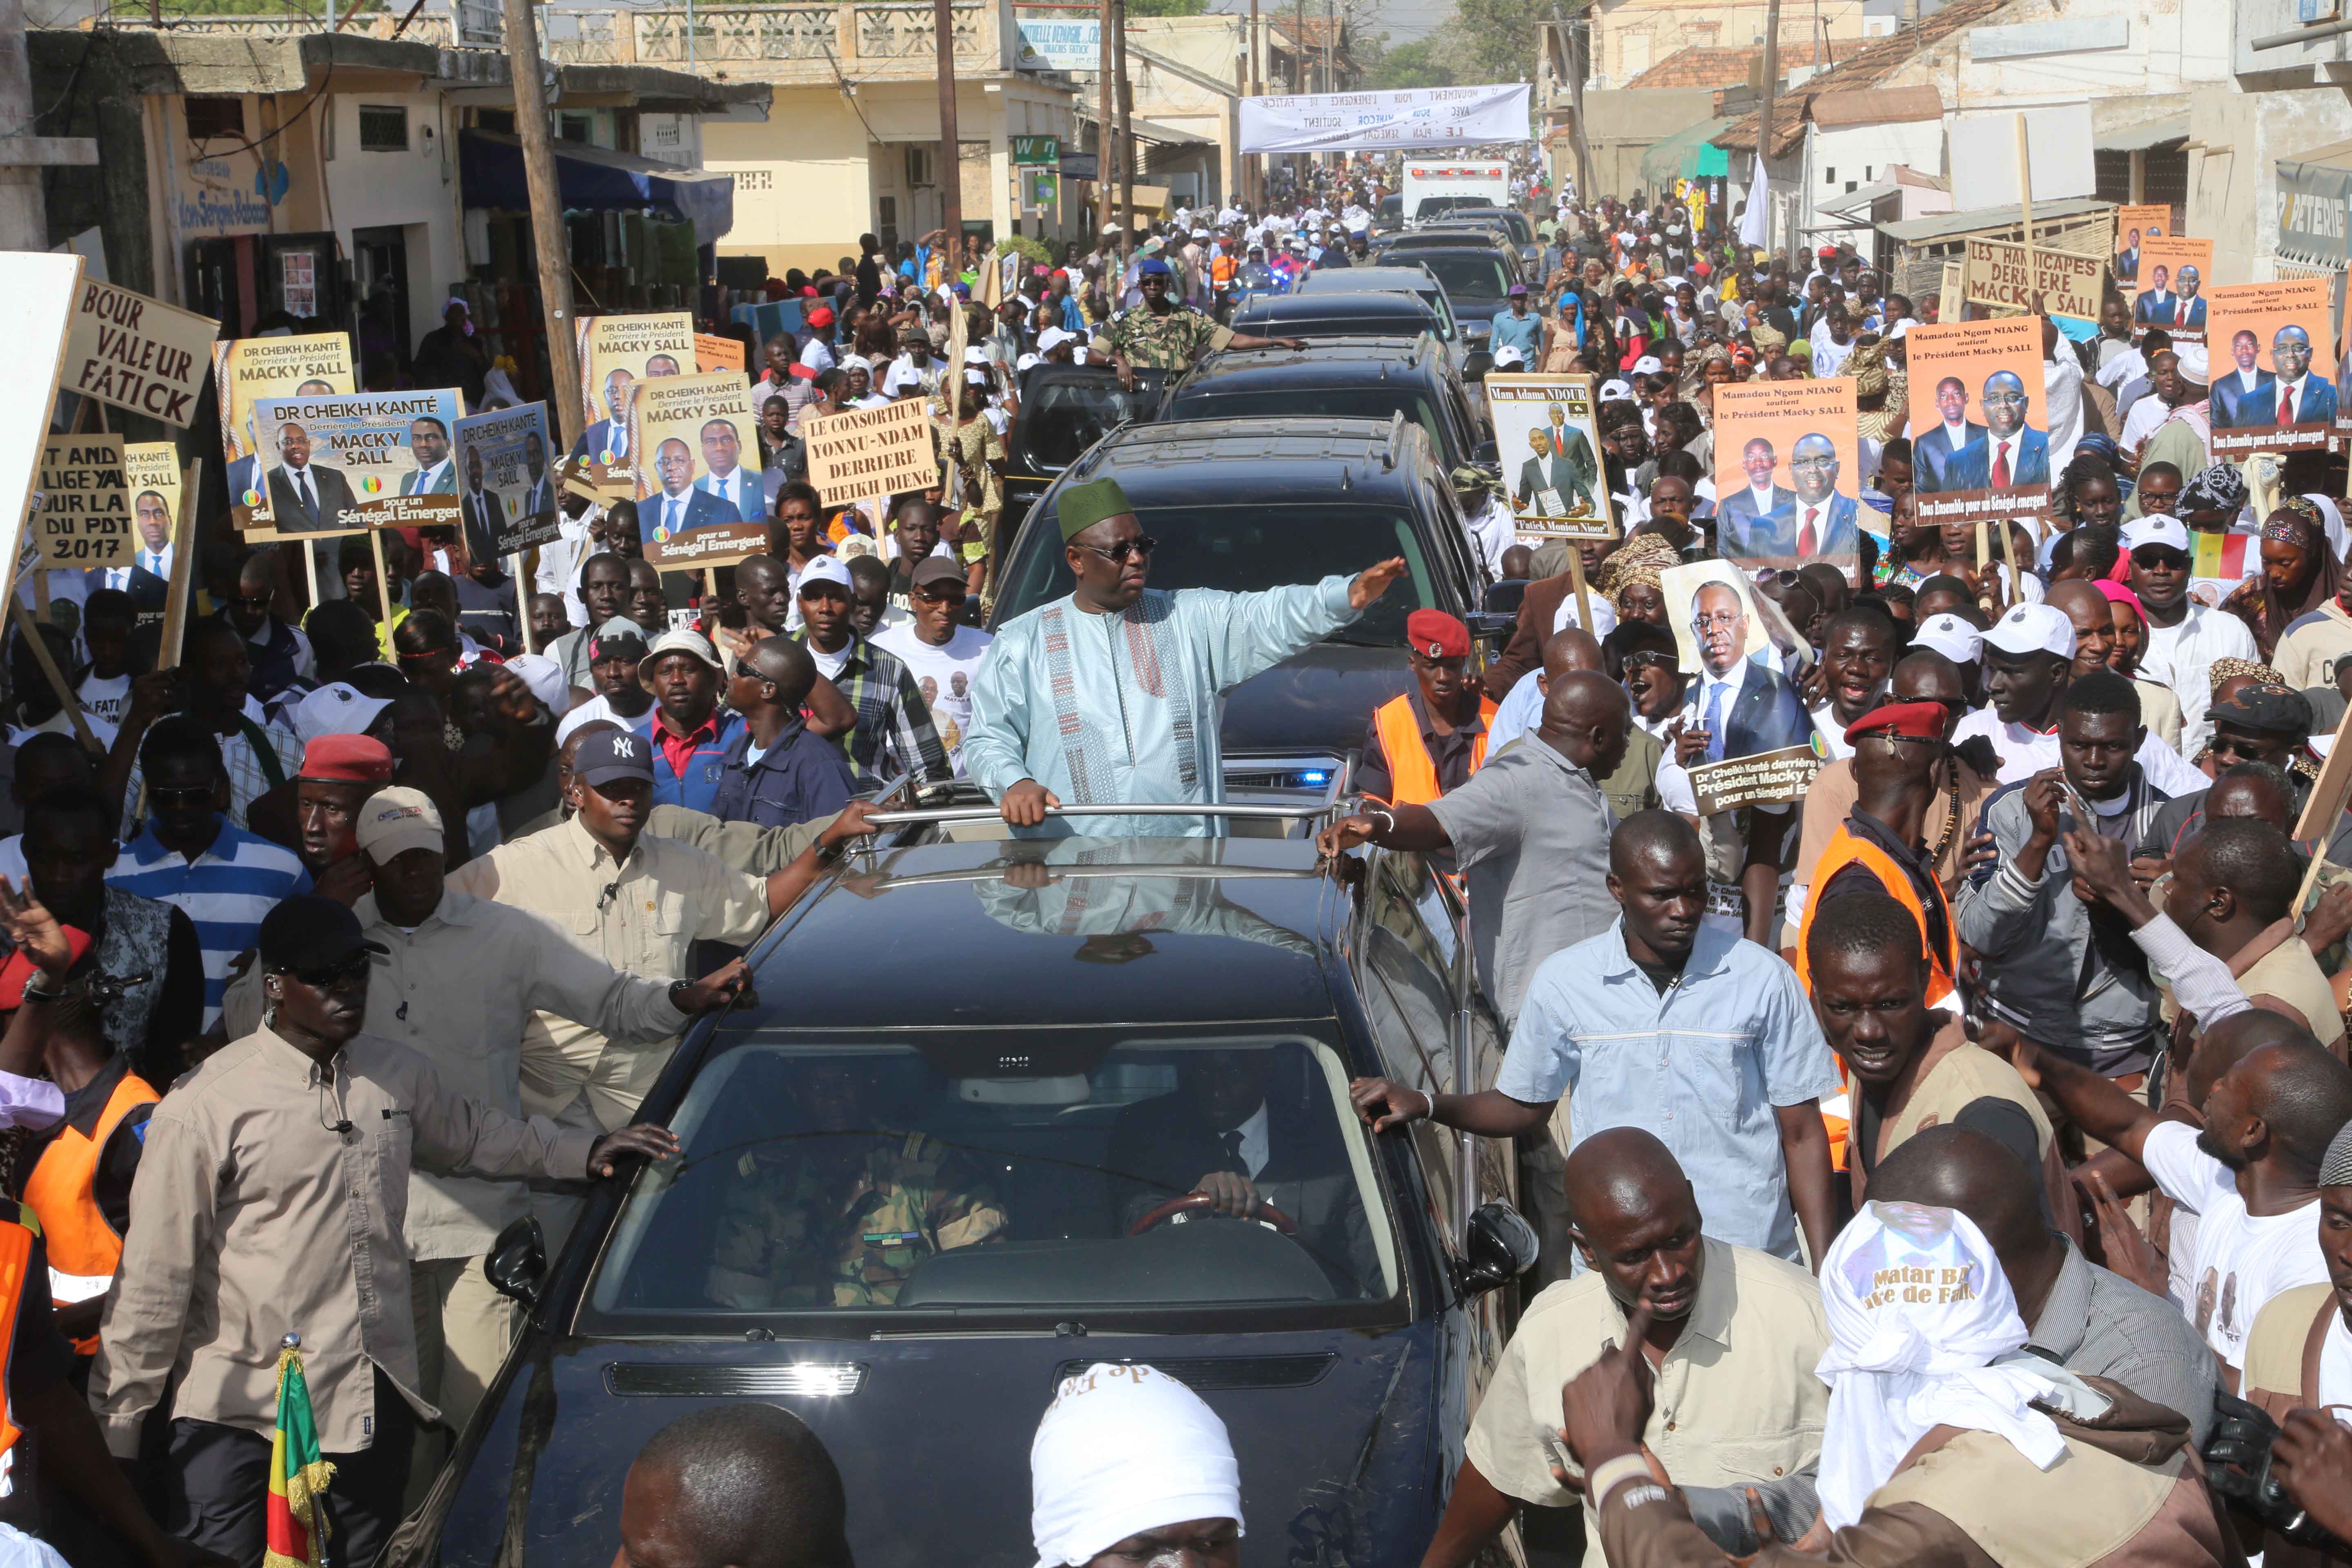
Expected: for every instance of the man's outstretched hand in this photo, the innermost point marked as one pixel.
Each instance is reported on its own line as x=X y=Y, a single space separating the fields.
x=604 y=1155
x=1373 y=581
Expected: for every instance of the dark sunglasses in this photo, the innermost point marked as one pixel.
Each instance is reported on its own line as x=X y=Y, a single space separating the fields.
x=192 y=795
x=328 y=975
x=1141 y=544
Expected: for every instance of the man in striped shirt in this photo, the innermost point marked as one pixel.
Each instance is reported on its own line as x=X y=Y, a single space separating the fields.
x=190 y=855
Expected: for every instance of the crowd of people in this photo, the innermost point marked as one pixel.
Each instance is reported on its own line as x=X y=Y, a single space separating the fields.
x=1954 y=1163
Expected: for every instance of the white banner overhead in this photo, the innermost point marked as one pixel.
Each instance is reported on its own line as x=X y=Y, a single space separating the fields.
x=1389 y=121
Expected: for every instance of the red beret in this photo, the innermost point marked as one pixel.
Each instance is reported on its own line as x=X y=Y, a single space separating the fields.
x=1437 y=635
x=18 y=970
x=347 y=759
x=1921 y=720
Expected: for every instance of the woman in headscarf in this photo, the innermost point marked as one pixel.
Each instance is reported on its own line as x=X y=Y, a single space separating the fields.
x=1630 y=577
x=1881 y=417
x=2300 y=575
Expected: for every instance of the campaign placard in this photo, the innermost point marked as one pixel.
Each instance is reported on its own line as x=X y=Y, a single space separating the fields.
x=37 y=294
x=2134 y=226
x=700 y=501
x=152 y=470
x=2174 y=270
x=2007 y=277
x=616 y=353
x=245 y=370
x=138 y=354
x=871 y=451
x=713 y=353
x=1788 y=474
x=506 y=486
x=85 y=518
x=1545 y=428
x=1975 y=395
x=1738 y=697
x=341 y=464
x=2272 y=356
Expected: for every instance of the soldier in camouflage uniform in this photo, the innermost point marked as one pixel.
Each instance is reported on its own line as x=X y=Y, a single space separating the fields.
x=1161 y=334
x=841 y=1217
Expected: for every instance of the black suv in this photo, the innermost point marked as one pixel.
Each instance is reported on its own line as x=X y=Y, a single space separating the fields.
x=1244 y=504
x=1360 y=378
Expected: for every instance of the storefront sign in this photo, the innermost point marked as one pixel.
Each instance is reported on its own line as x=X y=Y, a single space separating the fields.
x=227 y=196
x=138 y=354
x=1045 y=149
x=1057 y=46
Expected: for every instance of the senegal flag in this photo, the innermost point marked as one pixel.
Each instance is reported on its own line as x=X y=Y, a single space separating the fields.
x=299 y=1474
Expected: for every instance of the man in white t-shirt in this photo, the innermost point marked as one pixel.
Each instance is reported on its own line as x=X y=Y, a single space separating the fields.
x=941 y=653
x=2250 y=1177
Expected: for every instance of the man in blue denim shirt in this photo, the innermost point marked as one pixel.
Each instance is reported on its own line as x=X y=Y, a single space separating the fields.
x=1703 y=1039
x=775 y=772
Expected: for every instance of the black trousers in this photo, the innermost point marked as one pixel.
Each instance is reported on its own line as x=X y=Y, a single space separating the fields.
x=217 y=1486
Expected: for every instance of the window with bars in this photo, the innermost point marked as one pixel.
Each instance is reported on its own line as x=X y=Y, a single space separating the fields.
x=215 y=117
x=384 y=128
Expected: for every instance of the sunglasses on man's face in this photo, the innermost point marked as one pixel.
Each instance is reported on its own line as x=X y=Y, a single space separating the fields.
x=187 y=798
x=1141 y=544
x=327 y=976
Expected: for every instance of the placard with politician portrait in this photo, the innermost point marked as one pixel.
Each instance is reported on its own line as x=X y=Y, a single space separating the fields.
x=366 y=459
x=1551 y=447
x=1979 y=429
x=700 y=497
x=506 y=485
x=1788 y=474
x=2272 y=356
x=2174 y=270
x=2135 y=227
x=1759 y=733
x=248 y=369
x=617 y=353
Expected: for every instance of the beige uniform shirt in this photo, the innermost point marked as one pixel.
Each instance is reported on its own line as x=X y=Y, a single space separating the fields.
x=253 y=1218
x=1736 y=1400
x=643 y=918
x=2289 y=972
x=460 y=990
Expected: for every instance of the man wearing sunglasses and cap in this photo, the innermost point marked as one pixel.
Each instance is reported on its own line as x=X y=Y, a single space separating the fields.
x=1111 y=693
x=271 y=1201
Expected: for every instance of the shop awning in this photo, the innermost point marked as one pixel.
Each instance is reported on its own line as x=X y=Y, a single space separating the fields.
x=2141 y=137
x=1151 y=130
x=1671 y=159
x=596 y=179
x=2315 y=201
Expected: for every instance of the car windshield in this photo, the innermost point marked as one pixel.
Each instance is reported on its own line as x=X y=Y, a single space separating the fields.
x=1241 y=549
x=994 y=1171
x=1060 y=419
x=1375 y=402
x=1476 y=277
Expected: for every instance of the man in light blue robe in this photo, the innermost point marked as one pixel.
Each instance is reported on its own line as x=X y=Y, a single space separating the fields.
x=1110 y=693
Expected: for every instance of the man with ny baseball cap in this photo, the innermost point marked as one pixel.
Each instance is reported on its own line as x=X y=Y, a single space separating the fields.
x=459 y=979
x=1433 y=737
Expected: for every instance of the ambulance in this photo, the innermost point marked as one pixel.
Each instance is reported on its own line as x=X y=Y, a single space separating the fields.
x=1432 y=189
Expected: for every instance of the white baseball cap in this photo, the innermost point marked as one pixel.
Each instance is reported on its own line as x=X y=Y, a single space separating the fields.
x=1953 y=638
x=823 y=569
x=1509 y=354
x=337 y=707
x=1647 y=365
x=2159 y=528
x=1053 y=338
x=2032 y=628
x=1613 y=391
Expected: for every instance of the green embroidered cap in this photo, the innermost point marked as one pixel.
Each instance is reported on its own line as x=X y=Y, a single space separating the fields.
x=1082 y=506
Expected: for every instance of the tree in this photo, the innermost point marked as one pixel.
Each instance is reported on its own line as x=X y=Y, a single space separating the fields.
x=1424 y=62
x=1498 y=37
x=1167 y=7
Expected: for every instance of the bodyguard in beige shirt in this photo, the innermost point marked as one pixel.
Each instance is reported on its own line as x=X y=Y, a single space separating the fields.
x=633 y=902
x=457 y=982
x=271 y=1199
x=1733 y=1342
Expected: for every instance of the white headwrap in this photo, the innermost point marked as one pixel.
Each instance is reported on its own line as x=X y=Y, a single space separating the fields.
x=1924 y=1332
x=1123 y=1449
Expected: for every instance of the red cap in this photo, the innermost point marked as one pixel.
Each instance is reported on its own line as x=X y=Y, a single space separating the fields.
x=1921 y=720
x=806 y=371
x=1437 y=635
x=18 y=970
x=347 y=759
x=821 y=317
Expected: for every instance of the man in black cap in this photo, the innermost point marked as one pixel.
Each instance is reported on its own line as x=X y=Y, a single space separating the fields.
x=269 y=1200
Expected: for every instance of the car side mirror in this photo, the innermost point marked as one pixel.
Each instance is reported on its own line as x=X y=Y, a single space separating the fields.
x=1486 y=626
x=1501 y=1246
x=1488 y=455
x=517 y=1263
x=1476 y=367
x=1503 y=598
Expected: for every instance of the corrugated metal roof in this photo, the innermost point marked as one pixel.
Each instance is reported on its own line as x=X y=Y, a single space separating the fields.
x=1947 y=226
x=1866 y=66
x=1877 y=106
x=2149 y=133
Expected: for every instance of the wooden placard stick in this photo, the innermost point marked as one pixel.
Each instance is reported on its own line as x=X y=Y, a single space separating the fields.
x=183 y=571
x=522 y=600
x=1576 y=576
x=2323 y=808
x=382 y=582
x=26 y=629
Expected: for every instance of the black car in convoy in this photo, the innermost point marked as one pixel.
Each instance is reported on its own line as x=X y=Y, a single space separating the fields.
x=1257 y=503
x=1360 y=378
x=1064 y=409
x=1476 y=277
x=1030 y=1034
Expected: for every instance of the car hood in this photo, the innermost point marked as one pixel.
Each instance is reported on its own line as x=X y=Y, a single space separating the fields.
x=1319 y=700
x=1338 y=1435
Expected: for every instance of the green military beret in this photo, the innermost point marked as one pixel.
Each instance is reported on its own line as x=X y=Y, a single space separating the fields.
x=1082 y=506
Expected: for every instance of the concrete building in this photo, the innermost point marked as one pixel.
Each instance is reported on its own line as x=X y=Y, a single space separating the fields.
x=1631 y=37
x=850 y=145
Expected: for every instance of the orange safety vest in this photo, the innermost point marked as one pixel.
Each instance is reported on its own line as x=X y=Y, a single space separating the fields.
x=84 y=1250
x=1844 y=849
x=1413 y=772
x=15 y=1264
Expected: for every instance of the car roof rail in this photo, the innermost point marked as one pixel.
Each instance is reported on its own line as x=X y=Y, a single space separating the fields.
x=1396 y=438
x=1261 y=811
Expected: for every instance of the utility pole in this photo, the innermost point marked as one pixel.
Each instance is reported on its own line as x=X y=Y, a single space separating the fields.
x=1126 y=117
x=1106 y=159
x=951 y=159
x=1764 y=111
x=1573 y=41
x=1254 y=86
x=548 y=235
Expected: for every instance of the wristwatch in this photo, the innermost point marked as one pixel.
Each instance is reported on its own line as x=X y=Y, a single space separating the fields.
x=676 y=986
